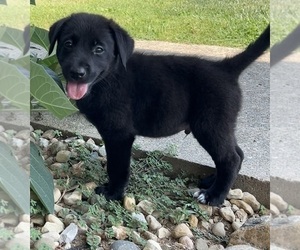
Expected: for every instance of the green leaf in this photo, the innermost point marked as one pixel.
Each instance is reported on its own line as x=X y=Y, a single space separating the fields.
x=14 y=86
x=39 y=36
x=41 y=180
x=32 y=2
x=13 y=179
x=46 y=91
x=12 y=36
x=51 y=62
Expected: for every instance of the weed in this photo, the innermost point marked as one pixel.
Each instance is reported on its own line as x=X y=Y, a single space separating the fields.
x=35 y=234
x=6 y=234
x=37 y=208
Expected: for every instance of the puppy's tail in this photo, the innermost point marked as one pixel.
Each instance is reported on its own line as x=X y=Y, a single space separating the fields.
x=236 y=64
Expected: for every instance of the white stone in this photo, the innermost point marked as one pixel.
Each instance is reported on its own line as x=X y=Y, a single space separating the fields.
x=218 y=229
x=201 y=244
x=153 y=223
x=152 y=245
x=187 y=242
x=163 y=233
x=235 y=194
x=57 y=194
x=52 y=227
x=251 y=200
x=276 y=200
x=72 y=198
x=129 y=203
x=22 y=227
x=182 y=230
x=51 y=235
x=243 y=205
x=146 y=207
x=227 y=214
x=150 y=236
x=54 y=219
x=25 y=218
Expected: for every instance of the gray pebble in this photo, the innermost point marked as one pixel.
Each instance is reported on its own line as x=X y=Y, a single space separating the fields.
x=124 y=245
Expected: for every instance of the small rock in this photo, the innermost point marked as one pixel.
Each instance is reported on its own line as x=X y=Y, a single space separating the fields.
x=146 y=207
x=139 y=217
x=10 y=219
x=70 y=218
x=243 y=205
x=205 y=224
x=218 y=229
x=124 y=245
x=46 y=241
x=129 y=203
x=52 y=227
x=163 y=233
x=187 y=242
x=193 y=221
x=54 y=219
x=251 y=200
x=51 y=235
x=136 y=238
x=182 y=230
x=55 y=147
x=201 y=244
x=102 y=151
x=274 y=210
x=23 y=134
x=234 y=208
x=120 y=232
x=236 y=225
x=152 y=245
x=57 y=194
x=49 y=134
x=17 y=143
x=236 y=194
x=153 y=223
x=276 y=200
x=241 y=216
x=63 y=156
x=150 y=236
x=226 y=203
x=72 y=198
x=43 y=143
x=207 y=209
x=25 y=218
x=227 y=214
x=22 y=227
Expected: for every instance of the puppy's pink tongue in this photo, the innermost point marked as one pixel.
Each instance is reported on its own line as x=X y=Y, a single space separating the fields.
x=76 y=90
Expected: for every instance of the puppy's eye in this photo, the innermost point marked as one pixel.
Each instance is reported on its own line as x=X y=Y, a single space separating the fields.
x=68 y=44
x=98 y=50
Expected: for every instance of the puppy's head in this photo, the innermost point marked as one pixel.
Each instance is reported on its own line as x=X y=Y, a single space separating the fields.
x=88 y=47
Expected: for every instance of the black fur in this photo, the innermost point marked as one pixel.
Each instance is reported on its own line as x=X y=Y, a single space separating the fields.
x=133 y=94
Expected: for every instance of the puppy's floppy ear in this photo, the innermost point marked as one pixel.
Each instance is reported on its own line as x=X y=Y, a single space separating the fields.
x=54 y=32
x=124 y=43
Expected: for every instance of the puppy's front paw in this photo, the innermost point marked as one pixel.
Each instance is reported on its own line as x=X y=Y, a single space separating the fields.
x=107 y=192
x=204 y=197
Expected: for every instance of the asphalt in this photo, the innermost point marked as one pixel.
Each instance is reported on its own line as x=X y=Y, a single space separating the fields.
x=253 y=128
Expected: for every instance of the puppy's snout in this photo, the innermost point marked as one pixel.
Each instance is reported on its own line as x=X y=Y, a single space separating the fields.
x=78 y=73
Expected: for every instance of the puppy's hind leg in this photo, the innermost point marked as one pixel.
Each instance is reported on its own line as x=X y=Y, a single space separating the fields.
x=118 y=167
x=222 y=147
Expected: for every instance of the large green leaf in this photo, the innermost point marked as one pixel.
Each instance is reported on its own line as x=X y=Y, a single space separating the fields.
x=12 y=36
x=46 y=91
x=41 y=180
x=39 y=36
x=14 y=85
x=13 y=179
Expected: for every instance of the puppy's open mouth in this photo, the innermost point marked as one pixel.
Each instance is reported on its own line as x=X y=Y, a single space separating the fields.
x=76 y=90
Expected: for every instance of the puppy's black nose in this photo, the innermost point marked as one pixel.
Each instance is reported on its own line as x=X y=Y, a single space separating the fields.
x=78 y=73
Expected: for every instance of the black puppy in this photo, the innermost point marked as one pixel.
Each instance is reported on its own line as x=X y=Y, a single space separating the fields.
x=125 y=94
